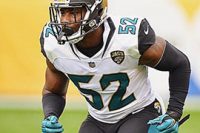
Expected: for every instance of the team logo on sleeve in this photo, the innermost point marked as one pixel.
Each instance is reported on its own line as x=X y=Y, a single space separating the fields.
x=117 y=56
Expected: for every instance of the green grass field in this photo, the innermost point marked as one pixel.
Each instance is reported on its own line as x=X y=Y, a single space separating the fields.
x=29 y=121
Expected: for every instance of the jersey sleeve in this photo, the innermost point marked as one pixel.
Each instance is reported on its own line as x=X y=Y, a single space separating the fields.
x=42 y=43
x=48 y=43
x=146 y=36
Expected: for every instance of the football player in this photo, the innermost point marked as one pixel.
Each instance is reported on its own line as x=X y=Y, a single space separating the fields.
x=107 y=59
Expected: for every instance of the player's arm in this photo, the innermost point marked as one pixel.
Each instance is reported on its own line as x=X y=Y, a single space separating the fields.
x=53 y=99
x=161 y=55
x=54 y=91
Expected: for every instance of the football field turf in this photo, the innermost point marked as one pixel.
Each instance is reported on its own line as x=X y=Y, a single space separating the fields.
x=29 y=121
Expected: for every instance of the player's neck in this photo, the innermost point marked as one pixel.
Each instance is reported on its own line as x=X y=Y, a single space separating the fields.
x=92 y=39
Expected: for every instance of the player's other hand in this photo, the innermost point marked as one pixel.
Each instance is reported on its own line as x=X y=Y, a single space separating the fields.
x=51 y=125
x=163 y=124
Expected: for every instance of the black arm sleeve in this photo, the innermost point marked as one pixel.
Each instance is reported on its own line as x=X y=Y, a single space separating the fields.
x=53 y=104
x=178 y=66
x=146 y=36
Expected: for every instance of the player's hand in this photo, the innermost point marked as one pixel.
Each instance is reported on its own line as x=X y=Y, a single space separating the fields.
x=163 y=124
x=51 y=125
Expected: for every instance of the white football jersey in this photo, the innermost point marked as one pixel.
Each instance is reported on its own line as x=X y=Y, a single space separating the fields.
x=112 y=82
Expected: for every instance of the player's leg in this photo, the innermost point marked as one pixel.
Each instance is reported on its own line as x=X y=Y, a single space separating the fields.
x=89 y=126
x=137 y=123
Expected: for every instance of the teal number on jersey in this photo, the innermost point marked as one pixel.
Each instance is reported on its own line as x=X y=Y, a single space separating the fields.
x=48 y=31
x=127 y=26
x=97 y=101
x=116 y=101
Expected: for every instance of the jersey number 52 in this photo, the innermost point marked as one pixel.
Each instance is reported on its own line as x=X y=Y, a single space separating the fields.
x=127 y=25
x=117 y=100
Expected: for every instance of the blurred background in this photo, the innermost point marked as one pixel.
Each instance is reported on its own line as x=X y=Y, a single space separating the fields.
x=22 y=66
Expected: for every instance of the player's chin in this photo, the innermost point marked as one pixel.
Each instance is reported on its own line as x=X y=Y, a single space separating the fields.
x=74 y=26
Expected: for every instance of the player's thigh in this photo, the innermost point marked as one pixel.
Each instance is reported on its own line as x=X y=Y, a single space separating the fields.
x=137 y=123
x=89 y=126
x=134 y=126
